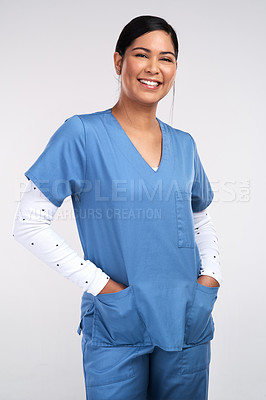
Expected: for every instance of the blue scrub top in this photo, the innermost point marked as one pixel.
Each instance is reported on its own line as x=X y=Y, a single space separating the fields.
x=136 y=224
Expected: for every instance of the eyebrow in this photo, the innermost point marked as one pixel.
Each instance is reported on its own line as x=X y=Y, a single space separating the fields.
x=162 y=52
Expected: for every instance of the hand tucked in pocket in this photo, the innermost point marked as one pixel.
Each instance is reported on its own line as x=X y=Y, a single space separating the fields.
x=112 y=287
x=206 y=280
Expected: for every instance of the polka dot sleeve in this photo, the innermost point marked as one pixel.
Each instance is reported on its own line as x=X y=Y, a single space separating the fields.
x=32 y=228
x=207 y=242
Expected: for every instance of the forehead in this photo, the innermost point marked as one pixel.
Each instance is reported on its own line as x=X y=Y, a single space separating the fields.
x=155 y=40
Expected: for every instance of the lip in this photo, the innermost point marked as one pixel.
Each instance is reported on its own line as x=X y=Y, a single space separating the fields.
x=148 y=79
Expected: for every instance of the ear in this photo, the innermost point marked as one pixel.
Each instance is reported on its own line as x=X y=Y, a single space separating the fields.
x=117 y=62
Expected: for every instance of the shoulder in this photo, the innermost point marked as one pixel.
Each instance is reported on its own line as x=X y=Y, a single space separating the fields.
x=179 y=135
x=93 y=117
x=71 y=129
x=78 y=125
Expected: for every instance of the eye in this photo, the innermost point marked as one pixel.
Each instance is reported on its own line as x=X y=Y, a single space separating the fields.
x=167 y=59
x=140 y=55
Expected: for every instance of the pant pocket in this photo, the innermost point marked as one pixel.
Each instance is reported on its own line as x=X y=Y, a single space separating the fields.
x=200 y=325
x=117 y=321
x=106 y=365
x=184 y=218
x=195 y=360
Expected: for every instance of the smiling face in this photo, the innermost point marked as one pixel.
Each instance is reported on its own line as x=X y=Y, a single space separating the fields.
x=148 y=68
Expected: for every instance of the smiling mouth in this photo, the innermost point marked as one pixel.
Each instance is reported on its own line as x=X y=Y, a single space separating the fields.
x=149 y=83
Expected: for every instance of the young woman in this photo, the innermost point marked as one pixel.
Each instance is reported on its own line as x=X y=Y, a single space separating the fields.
x=151 y=269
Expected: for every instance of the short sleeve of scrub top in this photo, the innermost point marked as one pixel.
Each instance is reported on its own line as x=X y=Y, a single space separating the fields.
x=202 y=194
x=59 y=170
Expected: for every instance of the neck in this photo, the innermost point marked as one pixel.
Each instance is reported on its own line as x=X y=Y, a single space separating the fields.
x=138 y=116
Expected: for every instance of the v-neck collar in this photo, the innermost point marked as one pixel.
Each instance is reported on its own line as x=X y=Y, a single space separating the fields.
x=128 y=149
x=134 y=149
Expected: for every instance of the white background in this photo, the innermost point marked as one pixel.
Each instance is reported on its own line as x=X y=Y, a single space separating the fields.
x=57 y=61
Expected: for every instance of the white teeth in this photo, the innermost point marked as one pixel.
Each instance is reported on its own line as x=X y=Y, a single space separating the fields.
x=150 y=83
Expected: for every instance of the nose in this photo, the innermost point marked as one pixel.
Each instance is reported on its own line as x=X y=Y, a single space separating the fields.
x=152 y=66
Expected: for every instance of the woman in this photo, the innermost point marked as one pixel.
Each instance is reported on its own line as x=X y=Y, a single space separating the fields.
x=150 y=270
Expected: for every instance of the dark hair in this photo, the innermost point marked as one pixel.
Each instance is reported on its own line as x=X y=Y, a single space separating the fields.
x=140 y=25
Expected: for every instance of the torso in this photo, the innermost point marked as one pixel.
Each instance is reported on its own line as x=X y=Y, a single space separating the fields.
x=143 y=221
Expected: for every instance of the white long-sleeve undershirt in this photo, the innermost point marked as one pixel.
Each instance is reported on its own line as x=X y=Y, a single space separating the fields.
x=32 y=228
x=207 y=242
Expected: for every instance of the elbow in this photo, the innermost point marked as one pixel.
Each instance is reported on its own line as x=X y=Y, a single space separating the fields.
x=22 y=228
x=17 y=230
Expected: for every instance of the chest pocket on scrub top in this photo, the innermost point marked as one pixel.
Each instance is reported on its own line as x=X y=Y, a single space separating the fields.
x=184 y=219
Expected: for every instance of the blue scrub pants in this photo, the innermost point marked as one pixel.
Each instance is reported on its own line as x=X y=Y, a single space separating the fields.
x=146 y=373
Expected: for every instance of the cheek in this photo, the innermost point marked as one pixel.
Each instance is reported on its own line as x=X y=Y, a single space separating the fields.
x=170 y=75
x=132 y=70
